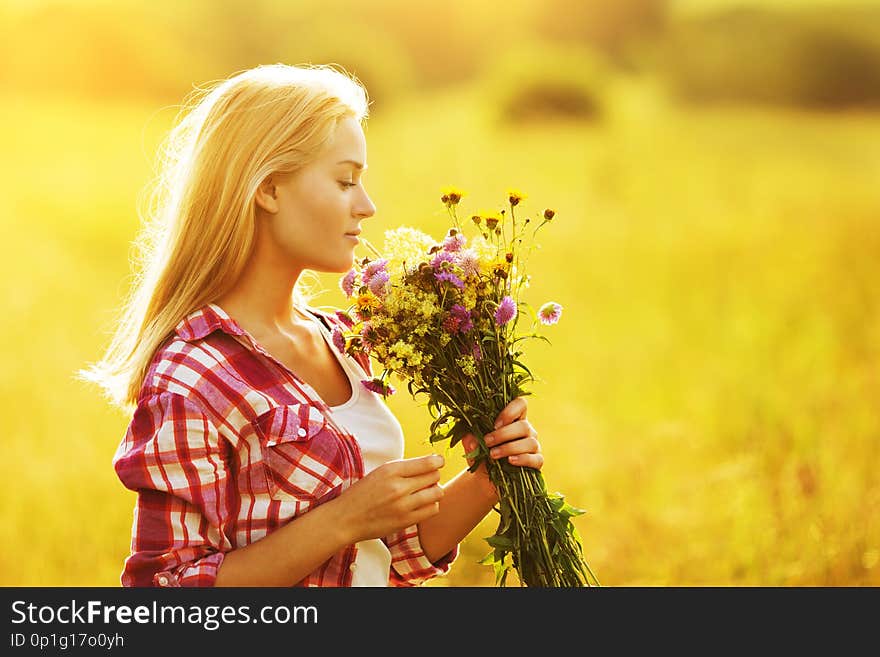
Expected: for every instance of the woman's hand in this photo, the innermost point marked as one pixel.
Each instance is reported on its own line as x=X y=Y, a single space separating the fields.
x=513 y=437
x=393 y=496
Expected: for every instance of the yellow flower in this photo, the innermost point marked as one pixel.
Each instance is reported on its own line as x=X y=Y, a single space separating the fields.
x=406 y=352
x=467 y=365
x=469 y=297
x=451 y=195
x=368 y=303
x=514 y=196
x=491 y=217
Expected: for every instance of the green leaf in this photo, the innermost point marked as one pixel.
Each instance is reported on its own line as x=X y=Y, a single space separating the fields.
x=488 y=560
x=506 y=517
x=500 y=542
x=501 y=574
x=458 y=432
x=501 y=564
x=519 y=363
x=569 y=511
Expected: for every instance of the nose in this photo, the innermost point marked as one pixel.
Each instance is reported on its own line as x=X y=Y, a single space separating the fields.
x=365 y=207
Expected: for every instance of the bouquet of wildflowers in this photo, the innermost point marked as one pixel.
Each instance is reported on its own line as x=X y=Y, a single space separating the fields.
x=441 y=316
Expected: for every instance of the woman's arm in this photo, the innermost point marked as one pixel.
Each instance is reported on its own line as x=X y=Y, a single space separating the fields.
x=469 y=496
x=394 y=495
x=290 y=553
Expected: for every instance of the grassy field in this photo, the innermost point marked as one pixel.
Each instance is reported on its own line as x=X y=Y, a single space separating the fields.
x=710 y=396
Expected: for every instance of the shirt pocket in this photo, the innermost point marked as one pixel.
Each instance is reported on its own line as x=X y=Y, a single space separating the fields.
x=302 y=455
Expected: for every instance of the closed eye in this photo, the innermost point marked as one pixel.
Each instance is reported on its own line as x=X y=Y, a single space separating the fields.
x=346 y=185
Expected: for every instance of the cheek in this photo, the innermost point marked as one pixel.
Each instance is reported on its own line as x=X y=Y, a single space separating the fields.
x=309 y=227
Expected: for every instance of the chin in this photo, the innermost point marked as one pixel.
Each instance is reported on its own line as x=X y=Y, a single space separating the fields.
x=340 y=266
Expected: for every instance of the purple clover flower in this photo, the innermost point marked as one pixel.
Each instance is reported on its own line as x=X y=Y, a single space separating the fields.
x=506 y=311
x=449 y=276
x=374 y=267
x=440 y=257
x=463 y=315
x=477 y=352
x=451 y=324
x=458 y=320
x=377 y=282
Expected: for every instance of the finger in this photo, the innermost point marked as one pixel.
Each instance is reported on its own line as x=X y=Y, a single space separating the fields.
x=417 y=466
x=425 y=496
x=528 y=445
x=515 y=410
x=535 y=461
x=418 y=482
x=469 y=444
x=429 y=510
x=519 y=429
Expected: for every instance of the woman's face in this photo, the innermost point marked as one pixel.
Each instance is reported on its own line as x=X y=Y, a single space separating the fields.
x=321 y=203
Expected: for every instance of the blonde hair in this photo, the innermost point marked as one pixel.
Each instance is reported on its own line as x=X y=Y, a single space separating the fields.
x=199 y=231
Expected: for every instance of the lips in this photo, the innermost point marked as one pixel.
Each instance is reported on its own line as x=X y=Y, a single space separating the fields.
x=354 y=234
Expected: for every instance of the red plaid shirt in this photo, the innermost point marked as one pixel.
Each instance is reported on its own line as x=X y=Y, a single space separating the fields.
x=227 y=445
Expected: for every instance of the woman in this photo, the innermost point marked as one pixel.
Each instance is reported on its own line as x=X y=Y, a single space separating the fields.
x=258 y=457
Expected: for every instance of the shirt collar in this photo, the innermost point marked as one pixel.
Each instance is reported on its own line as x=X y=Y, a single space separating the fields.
x=211 y=317
x=206 y=320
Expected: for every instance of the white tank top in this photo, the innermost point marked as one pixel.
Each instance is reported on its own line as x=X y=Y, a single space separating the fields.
x=380 y=437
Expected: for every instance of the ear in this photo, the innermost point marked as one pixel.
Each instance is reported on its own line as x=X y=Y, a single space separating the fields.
x=266 y=196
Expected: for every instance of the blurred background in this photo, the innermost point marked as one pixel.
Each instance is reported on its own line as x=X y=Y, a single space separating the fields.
x=710 y=396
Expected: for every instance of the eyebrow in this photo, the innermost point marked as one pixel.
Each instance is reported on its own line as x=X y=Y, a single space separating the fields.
x=356 y=164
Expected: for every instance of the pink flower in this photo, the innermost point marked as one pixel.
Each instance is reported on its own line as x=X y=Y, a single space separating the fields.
x=454 y=242
x=345 y=318
x=378 y=386
x=550 y=313
x=347 y=282
x=469 y=262
x=338 y=339
x=369 y=337
x=506 y=311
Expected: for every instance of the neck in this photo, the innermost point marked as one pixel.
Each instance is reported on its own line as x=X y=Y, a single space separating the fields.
x=262 y=298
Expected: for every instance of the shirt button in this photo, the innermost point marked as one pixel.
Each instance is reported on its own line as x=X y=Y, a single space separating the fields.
x=163 y=581
x=302 y=431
